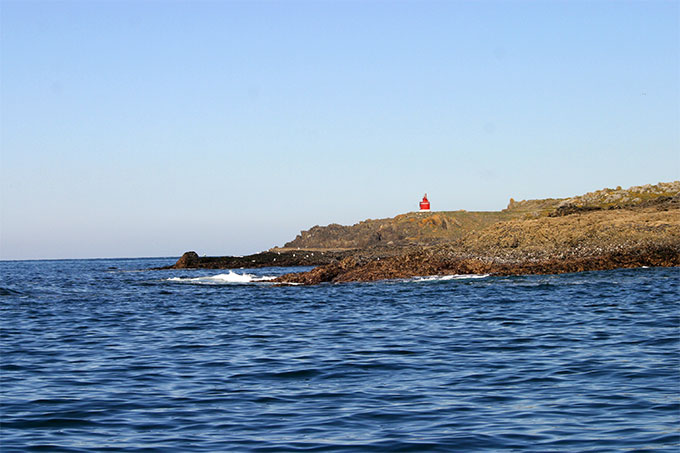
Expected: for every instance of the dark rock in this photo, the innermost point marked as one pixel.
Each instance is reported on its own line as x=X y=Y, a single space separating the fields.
x=191 y=260
x=187 y=261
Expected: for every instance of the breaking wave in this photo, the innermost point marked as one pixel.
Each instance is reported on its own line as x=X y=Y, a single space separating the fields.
x=440 y=278
x=222 y=279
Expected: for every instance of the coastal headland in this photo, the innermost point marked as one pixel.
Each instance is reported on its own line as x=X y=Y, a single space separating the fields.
x=606 y=229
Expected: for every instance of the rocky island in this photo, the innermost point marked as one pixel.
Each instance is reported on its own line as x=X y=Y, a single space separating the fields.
x=606 y=229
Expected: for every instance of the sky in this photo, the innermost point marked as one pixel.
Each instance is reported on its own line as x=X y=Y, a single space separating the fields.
x=149 y=128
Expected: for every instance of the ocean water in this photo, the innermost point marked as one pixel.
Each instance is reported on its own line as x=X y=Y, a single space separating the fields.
x=100 y=355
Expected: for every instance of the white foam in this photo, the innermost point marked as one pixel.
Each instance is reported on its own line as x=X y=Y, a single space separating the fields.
x=440 y=278
x=222 y=279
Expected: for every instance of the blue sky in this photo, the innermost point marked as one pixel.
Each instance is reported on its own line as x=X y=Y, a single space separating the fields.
x=151 y=128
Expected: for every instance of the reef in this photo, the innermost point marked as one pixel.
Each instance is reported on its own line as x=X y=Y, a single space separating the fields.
x=271 y=258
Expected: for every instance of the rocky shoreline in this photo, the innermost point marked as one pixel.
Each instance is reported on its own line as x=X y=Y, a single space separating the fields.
x=585 y=241
x=607 y=229
x=354 y=269
x=285 y=258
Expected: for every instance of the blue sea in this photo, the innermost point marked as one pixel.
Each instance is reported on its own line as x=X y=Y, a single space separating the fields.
x=103 y=355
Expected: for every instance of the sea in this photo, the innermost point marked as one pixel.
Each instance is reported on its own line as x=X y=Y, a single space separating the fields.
x=106 y=355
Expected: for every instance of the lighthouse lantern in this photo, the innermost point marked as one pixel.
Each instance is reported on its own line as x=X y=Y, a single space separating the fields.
x=425 y=204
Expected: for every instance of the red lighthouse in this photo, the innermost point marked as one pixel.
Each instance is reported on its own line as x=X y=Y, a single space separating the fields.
x=425 y=204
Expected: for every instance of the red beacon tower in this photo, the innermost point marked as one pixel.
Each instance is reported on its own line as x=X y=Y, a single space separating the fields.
x=425 y=204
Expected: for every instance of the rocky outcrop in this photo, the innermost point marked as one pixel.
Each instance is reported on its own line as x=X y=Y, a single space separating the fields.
x=597 y=240
x=605 y=229
x=663 y=194
x=426 y=264
x=647 y=195
x=415 y=228
x=440 y=227
x=191 y=260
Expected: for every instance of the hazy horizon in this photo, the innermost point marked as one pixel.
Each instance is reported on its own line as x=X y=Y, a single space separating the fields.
x=146 y=129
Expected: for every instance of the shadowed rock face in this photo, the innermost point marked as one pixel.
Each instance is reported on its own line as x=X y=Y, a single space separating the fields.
x=188 y=260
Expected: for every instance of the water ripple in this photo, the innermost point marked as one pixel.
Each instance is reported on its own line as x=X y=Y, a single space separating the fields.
x=95 y=359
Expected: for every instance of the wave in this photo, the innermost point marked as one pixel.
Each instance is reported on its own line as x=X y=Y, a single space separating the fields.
x=222 y=279
x=233 y=277
x=9 y=292
x=440 y=278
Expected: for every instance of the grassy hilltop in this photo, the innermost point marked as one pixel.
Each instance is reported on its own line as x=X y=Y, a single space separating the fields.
x=439 y=227
x=415 y=228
